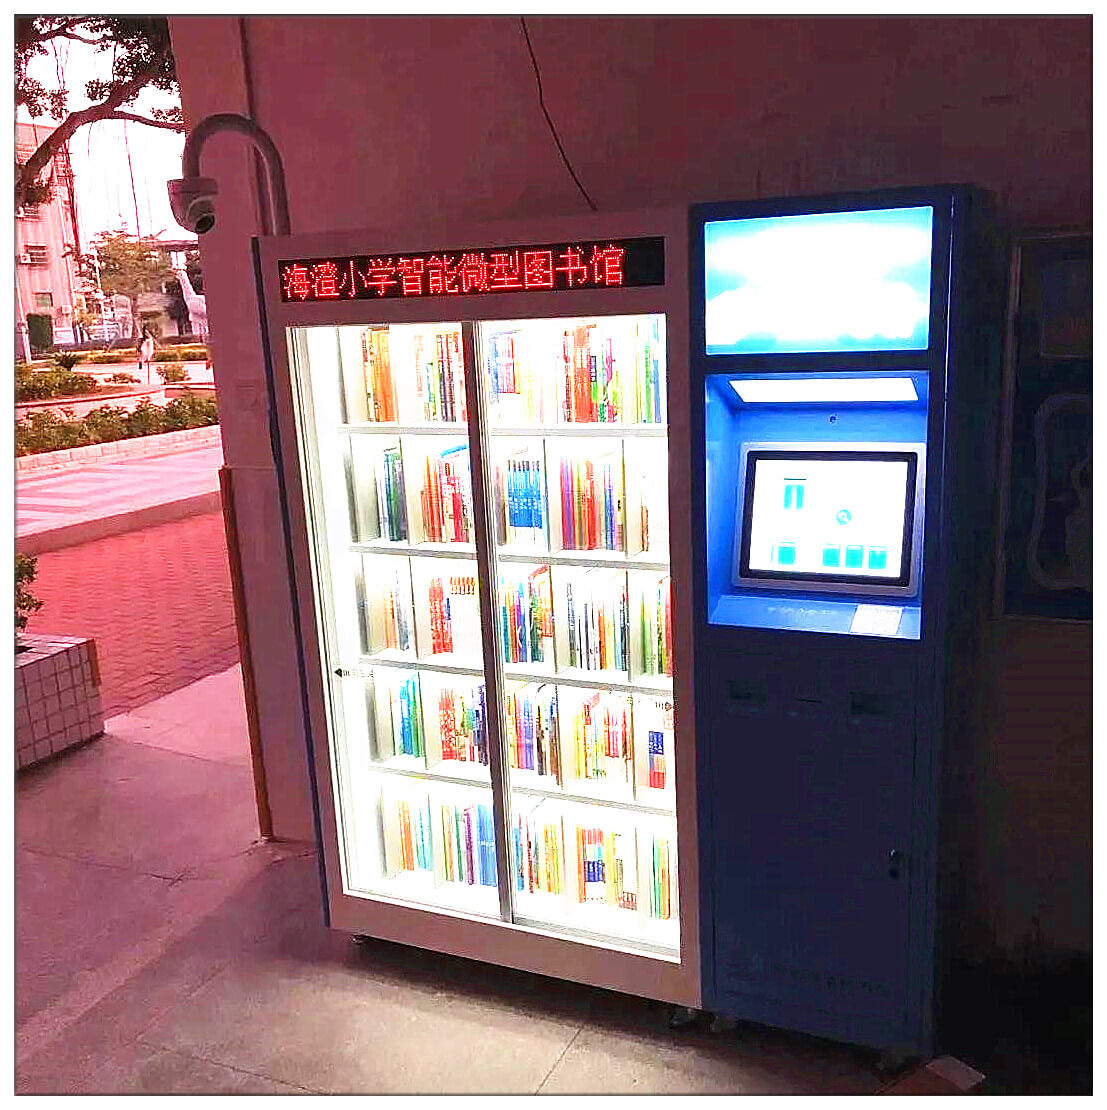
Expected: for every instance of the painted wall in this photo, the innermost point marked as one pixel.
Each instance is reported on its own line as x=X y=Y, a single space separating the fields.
x=48 y=225
x=409 y=121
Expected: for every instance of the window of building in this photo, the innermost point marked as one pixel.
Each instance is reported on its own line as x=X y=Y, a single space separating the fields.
x=44 y=300
x=35 y=253
x=29 y=212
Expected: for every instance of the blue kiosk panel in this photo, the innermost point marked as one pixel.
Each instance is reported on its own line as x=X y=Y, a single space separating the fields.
x=827 y=342
x=835 y=530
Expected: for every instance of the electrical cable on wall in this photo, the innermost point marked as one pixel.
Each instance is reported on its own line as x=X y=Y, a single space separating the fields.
x=553 y=130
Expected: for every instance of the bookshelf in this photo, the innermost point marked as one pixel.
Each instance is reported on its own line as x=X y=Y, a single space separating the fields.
x=573 y=434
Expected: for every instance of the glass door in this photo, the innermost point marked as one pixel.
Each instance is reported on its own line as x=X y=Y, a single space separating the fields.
x=385 y=443
x=498 y=663
x=577 y=447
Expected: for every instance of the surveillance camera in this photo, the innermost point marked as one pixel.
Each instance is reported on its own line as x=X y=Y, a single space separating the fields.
x=192 y=203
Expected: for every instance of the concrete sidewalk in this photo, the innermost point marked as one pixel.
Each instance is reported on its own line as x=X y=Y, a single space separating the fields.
x=89 y=502
x=161 y=948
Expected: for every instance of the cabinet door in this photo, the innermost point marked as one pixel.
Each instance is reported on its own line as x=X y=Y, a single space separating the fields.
x=812 y=797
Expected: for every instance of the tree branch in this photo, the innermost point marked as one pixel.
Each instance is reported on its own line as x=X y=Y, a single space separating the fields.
x=123 y=93
x=130 y=118
x=77 y=38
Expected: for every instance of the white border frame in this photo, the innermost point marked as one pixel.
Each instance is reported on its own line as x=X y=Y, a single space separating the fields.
x=492 y=941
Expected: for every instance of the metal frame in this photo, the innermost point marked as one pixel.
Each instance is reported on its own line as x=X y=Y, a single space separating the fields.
x=511 y=944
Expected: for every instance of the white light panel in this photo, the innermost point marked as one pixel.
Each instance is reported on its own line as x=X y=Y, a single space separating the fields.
x=819 y=391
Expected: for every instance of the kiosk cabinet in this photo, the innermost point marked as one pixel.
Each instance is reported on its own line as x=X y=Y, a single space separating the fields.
x=481 y=434
x=841 y=461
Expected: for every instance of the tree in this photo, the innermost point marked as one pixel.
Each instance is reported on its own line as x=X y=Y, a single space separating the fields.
x=126 y=264
x=141 y=57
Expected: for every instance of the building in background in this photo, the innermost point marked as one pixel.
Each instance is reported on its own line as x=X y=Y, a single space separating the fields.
x=178 y=308
x=47 y=241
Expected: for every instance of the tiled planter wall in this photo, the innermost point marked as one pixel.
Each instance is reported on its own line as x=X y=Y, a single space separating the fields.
x=57 y=696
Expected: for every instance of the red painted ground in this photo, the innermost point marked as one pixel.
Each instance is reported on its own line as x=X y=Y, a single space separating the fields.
x=158 y=602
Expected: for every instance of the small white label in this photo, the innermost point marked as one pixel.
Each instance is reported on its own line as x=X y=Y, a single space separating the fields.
x=876 y=620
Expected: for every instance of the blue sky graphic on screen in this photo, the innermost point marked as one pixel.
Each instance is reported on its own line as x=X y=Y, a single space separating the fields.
x=833 y=281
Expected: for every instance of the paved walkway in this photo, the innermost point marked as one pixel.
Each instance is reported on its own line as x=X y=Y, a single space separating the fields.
x=161 y=949
x=158 y=602
x=47 y=502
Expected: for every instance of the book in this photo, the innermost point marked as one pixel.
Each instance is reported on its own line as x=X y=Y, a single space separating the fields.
x=656 y=627
x=592 y=497
x=538 y=855
x=457 y=729
x=531 y=730
x=376 y=364
x=596 y=624
x=440 y=377
x=446 y=497
x=600 y=726
x=389 y=620
x=521 y=501
x=526 y=616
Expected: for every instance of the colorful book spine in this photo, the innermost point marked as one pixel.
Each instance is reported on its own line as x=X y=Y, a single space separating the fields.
x=526 y=617
x=538 y=856
x=391 y=618
x=462 y=724
x=656 y=628
x=446 y=499
x=380 y=389
x=522 y=502
x=592 y=504
x=406 y=716
x=531 y=730
x=597 y=621
x=602 y=745
x=391 y=500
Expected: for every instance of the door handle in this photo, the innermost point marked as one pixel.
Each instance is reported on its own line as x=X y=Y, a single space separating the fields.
x=895 y=862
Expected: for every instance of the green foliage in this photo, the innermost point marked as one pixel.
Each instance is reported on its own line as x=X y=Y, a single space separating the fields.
x=186 y=352
x=66 y=360
x=45 y=431
x=42 y=385
x=172 y=372
x=40 y=331
x=25 y=602
x=121 y=378
x=126 y=264
x=135 y=54
x=101 y=357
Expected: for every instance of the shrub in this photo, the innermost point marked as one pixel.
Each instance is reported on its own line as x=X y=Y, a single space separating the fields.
x=111 y=356
x=41 y=385
x=66 y=360
x=45 y=431
x=172 y=372
x=121 y=377
x=183 y=353
x=25 y=602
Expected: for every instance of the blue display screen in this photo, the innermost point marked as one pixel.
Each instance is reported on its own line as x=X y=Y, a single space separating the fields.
x=832 y=281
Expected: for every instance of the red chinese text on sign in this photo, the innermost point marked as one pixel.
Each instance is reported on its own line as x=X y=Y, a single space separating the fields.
x=607 y=265
x=538 y=270
x=296 y=283
x=573 y=267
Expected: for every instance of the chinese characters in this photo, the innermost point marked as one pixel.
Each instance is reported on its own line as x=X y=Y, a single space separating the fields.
x=565 y=266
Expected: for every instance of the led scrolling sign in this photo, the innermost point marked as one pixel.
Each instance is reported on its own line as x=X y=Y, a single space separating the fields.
x=559 y=267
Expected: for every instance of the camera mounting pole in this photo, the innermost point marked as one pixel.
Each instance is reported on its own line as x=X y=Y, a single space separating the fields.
x=190 y=195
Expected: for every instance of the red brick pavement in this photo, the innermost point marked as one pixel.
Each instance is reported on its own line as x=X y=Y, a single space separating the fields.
x=158 y=602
